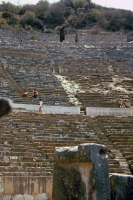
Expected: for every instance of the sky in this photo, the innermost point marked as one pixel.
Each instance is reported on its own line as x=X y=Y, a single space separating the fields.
x=121 y=4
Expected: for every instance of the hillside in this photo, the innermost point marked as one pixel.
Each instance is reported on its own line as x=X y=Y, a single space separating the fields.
x=79 y=14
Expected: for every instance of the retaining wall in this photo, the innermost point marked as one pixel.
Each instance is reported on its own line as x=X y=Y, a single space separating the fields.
x=48 y=109
x=11 y=186
x=95 y=111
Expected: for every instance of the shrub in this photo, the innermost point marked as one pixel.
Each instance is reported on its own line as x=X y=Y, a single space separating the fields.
x=2 y=22
x=33 y=37
x=48 y=31
x=73 y=20
x=128 y=20
x=78 y=4
x=30 y=19
x=11 y=18
x=9 y=7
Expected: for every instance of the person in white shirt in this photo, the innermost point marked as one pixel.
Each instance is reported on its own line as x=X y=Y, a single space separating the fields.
x=40 y=105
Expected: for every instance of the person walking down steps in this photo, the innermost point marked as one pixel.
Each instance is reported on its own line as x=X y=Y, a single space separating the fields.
x=40 y=106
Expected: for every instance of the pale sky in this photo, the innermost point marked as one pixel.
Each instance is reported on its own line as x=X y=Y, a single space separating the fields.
x=122 y=4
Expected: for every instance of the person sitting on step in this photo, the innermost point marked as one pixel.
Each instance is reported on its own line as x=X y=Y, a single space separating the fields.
x=25 y=93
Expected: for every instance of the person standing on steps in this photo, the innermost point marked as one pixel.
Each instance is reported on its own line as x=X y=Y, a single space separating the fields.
x=35 y=93
x=40 y=106
x=120 y=103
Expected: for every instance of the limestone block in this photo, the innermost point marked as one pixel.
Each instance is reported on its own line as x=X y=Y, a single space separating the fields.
x=1 y=189
x=18 y=197
x=41 y=196
x=121 y=187
x=30 y=197
x=81 y=172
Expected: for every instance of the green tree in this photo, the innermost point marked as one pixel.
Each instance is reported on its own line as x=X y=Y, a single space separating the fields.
x=2 y=22
x=67 y=3
x=128 y=20
x=73 y=20
x=55 y=15
x=111 y=19
x=11 y=18
x=42 y=6
x=78 y=4
x=9 y=7
x=29 y=18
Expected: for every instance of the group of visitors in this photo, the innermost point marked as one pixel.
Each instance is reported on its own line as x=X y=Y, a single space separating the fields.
x=35 y=95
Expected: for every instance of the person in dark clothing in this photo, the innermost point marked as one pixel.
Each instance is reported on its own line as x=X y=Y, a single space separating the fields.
x=35 y=93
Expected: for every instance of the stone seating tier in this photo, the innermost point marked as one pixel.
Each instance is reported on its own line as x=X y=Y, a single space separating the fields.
x=120 y=133
x=35 y=137
x=97 y=65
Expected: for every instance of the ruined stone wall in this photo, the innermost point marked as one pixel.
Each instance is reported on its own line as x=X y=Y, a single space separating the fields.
x=20 y=185
x=25 y=35
x=81 y=172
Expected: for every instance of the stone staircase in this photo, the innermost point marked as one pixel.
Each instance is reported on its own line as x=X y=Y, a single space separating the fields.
x=118 y=132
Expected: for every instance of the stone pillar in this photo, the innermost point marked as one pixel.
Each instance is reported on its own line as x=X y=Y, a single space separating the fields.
x=62 y=32
x=76 y=38
x=81 y=173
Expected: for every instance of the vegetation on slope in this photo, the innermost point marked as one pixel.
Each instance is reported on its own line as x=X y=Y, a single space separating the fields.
x=78 y=14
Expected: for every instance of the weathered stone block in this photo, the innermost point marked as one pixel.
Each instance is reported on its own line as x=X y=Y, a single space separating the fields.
x=121 y=187
x=81 y=172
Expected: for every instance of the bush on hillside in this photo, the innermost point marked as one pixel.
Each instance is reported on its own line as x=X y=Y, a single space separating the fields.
x=128 y=20
x=79 y=14
x=78 y=4
x=9 y=7
x=33 y=37
x=48 y=31
x=2 y=22
x=11 y=18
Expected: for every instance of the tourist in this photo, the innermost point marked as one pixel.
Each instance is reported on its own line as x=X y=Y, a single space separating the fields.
x=35 y=93
x=40 y=105
x=25 y=93
x=120 y=103
x=21 y=40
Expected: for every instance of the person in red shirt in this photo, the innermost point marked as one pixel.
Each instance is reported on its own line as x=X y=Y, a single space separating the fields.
x=25 y=93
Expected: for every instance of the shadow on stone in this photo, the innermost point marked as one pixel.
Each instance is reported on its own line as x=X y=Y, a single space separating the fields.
x=5 y=107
